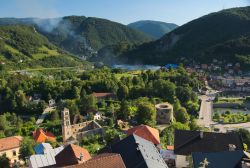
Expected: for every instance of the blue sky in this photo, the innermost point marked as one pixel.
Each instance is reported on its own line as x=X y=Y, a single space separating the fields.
x=123 y=11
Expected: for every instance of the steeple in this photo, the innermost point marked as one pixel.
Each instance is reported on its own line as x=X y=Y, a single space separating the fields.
x=66 y=126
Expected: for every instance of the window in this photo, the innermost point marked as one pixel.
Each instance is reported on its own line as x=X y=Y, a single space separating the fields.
x=14 y=153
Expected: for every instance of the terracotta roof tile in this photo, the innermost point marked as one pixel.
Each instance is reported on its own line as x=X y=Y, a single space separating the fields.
x=146 y=132
x=106 y=160
x=100 y=95
x=41 y=136
x=10 y=143
x=71 y=154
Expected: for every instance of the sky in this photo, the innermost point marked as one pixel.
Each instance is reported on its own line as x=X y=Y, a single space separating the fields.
x=122 y=11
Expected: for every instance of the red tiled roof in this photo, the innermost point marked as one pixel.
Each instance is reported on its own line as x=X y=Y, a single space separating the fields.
x=41 y=136
x=71 y=154
x=146 y=132
x=100 y=95
x=106 y=160
x=170 y=147
x=10 y=143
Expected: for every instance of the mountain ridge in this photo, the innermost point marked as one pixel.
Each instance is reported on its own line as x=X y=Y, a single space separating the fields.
x=193 y=41
x=155 y=29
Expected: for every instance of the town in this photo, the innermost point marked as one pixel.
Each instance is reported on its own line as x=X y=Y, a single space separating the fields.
x=79 y=126
x=125 y=84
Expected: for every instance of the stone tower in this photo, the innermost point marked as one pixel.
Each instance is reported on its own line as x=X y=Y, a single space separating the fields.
x=165 y=113
x=66 y=126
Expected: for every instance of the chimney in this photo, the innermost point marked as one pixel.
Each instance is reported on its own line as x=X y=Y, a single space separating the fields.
x=81 y=157
x=201 y=135
x=231 y=147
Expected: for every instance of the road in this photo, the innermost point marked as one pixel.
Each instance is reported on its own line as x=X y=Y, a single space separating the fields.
x=206 y=115
x=44 y=114
x=206 y=111
x=229 y=127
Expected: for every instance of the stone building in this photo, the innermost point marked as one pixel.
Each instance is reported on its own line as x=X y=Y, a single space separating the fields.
x=74 y=133
x=164 y=113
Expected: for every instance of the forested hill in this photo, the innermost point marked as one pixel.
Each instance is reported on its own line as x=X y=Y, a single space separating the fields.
x=82 y=35
x=223 y=35
x=155 y=29
x=23 y=47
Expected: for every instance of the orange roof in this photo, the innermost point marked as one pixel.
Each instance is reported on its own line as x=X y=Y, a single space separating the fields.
x=170 y=147
x=71 y=155
x=10 y=143
x=106 y=160
x=41 y=136
x=100 y=95
x=146 y=132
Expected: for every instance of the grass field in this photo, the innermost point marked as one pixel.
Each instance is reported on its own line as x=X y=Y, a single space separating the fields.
x=127 y=74
x=44 y=52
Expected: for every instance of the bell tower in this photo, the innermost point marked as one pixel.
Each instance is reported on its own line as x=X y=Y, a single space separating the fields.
x=66 y=126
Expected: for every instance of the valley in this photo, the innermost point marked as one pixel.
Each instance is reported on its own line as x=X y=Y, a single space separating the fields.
x=80 y=91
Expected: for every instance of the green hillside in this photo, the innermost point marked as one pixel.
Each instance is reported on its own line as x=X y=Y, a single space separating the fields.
x=223 y=35
x=80 y=35
x=24 y=47
x=155 y=29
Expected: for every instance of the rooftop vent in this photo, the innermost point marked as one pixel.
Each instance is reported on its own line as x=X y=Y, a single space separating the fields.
x=231 y=147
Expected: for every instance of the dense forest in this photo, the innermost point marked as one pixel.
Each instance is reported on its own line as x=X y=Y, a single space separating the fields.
x=155 y=29
x=222 y=35
x=82 y=35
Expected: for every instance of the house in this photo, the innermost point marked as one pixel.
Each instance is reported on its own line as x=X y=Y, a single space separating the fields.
x=188 y=142
x=122 y=125
x=138 y=152
x=146 y=132
x=52 y=103
x=75 y=132
x=42 y=148
x=45 y=159
x=165 y=113
x=204 y=66
x=98 y=116
x=103 y=95
x=40 y=136
x=10 y=146
x=106 y=160
x=227 y=159
x=72 y=155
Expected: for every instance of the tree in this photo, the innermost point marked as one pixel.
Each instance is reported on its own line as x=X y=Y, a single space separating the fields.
x=88 y=102
x=184 y=94
x=126 y=110
x=76 y=93
x=26 y=149
x=20 y=98
x=165 y=89
x=55 y=116
x=181 y=115
x=245 y=134
x=4 y=161
x=167 y=135
x=122 y=92
x=146 y=114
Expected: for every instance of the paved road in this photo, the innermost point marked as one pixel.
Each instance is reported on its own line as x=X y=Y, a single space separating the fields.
x=206 y=110
x=229 y=127
x=44 y=114
x=206 y=114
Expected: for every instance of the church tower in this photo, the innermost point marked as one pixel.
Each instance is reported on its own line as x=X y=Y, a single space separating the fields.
x=66 y=126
